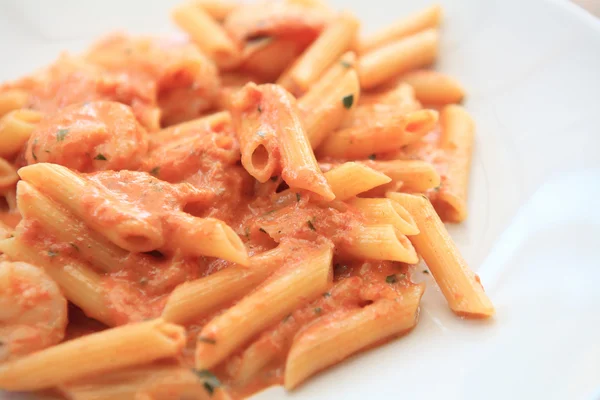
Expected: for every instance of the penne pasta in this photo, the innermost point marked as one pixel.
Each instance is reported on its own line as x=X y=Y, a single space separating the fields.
x=218 y=9
x=12 y=99
x=15 y=129
x=379 y=242
x=350 y=179
x=8 y=176
x=197 y=298
x=415 y=175
x=457 y=138
x=212 y=122
x=432 y=87
x=132 y=231
x=337 y=38
x=210 y=37
x=96 y=353
x=378 y=66
x=333 y=339
x=429 y=17
x=205 y=237
x=57 y=221
x=79 y=283
x=392 y=134
x=460 y=286
x=326 y=110
x=386 y=211
x=297 y=283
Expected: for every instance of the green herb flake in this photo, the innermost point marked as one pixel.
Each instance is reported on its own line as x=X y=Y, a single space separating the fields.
x=274 y=178
x=348 y=101
x=345 y=64
x=372 y=157
x=259 y=108
x=154 y=171
x=206 y=340
x=262 y=230
x=286 y=318
x=210 y=381
x=425 y=271
x=391 y=279
x=52 y=253
x=311 y=225
x=318 y=310
x=61 y=134
x=261 y=134
x=35 y=142
x=298 y=197
x=74 y=246
x=100 y=157
x=326 y=294
x=143 y=281
x=437 y=188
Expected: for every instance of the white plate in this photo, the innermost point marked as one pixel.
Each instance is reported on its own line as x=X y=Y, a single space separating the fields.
x=532 y=69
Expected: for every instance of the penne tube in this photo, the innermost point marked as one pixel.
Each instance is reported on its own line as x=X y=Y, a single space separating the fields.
x=432 y=87
x=333 y=74
x=218 y=9
x=409 y=25
x=325 y=113
x=15 y=129
x=267 y=122
x=338 y=336
x=205 y=237
x=337 y=38
x=382 y=136
x=379 y=242
x=460 y=286
x=152 y=382
x=61 y=224
x=457 y=138
x=196 y=299
x=78 y=282
x=350 y=179
x=296 y=283
x=12 y=99
x=415 y=175
x=128 y=228
x=94 y=354
x=386 y=211
x=8 y=176
x=378 y=66
x=207 y=34
x=269 y=57
x=213 y=122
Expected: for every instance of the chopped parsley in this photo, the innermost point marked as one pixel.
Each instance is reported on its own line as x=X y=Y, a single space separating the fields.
x=143 y=281
x=287 y=317
x=346 y=64
x=206 y=340
x=318 y=310
x=298 y=197
x=262 y=230
x=209 y=380
x=52 y=253
x=33 y=149
x=259 y=108
x=274 y=178
x=311 y=225
x=372 y=157
x=261 y=134
x=154 y=171
x=100 y=157
x=326 y=294
x=425 y=271
x=73 y=245
x=391 y=279
x=348 y=101
x=61 y=134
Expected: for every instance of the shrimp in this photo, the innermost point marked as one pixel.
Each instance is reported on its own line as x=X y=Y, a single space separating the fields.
x=33 y=311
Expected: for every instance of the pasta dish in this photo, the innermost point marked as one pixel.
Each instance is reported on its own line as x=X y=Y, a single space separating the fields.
x=240 y=206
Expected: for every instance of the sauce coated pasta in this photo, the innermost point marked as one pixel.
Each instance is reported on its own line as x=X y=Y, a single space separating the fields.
x=210 y=216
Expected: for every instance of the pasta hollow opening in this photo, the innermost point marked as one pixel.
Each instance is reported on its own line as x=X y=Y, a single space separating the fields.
x=260 y=157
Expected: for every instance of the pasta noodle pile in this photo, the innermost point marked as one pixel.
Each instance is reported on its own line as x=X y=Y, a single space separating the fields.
x=209 y=216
